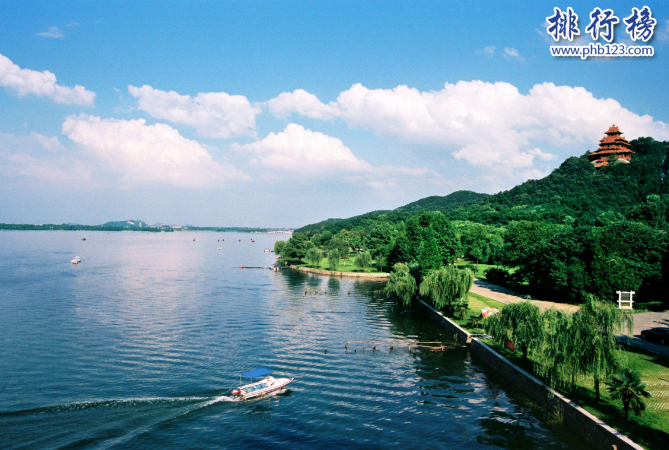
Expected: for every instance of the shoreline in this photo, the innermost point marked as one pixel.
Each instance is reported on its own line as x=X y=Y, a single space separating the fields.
x=331 y=273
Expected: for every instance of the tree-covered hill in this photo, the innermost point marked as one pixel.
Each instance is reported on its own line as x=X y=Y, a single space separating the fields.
x=575 y=191
x=434 y=203
x=439 y=203
x=579 y=231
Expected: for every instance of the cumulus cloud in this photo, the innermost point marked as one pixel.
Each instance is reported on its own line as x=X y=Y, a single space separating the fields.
x=40 y=157
x=213 y=114
x=303 y=103
x=52 y=32
x=153 y=153
x=41 y=84
x=299 y=150
x=490 y=124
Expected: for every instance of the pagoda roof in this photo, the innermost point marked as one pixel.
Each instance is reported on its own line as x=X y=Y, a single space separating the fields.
x=613 y=130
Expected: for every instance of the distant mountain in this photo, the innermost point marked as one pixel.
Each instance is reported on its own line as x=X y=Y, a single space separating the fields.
x=438 y=203
x=132 y=223
x=454 y=200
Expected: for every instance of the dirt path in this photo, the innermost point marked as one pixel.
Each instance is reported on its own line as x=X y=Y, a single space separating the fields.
x=506 y=296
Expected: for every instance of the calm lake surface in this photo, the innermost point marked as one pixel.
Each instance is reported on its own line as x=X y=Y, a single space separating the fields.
x=139 y=345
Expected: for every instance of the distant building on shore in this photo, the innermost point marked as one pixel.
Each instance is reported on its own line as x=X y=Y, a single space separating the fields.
x=612 y=147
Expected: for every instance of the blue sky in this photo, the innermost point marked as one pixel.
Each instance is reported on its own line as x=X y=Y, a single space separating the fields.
x=285 y=113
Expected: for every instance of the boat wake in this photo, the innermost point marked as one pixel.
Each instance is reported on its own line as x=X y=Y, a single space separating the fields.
x=108 y=422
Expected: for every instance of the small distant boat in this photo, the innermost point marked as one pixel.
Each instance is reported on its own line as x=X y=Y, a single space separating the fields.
x=260 y=388
x=83 y=239
x=76 y=260
x=193 y=238
x=252 y=240
x=219 y=248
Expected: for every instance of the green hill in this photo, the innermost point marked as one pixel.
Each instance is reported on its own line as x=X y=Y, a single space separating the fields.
x=434 y=203
x=438 y=203
x=575 y=191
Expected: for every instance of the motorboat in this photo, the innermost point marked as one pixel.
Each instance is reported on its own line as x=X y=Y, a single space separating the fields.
x=260 y=388
x=76 y=260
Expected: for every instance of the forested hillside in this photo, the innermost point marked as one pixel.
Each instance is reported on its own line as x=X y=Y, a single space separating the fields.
x=576 y=232
x=457 y=199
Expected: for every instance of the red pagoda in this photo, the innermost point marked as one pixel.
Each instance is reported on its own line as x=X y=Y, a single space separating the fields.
x=612 y=147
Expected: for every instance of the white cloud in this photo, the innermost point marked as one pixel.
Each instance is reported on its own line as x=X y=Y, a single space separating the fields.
x=40 y=157
x=487 y=51
x=299 y=150
x=213 y=114
x=147 y=153
x=52 y=32
x=41 y=84
x=510 y=52
x=491 y=124
x=303 y=103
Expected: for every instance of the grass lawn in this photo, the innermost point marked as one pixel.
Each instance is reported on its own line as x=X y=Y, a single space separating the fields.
x=345 y=265
x=479 y=271
x=476 y=304
x=651 y=429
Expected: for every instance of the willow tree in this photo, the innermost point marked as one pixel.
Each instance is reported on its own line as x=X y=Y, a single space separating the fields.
x=519 y=322
x=314 y=256
x=401 y=284
x=279 y=246
x=363 y=260
x=446 y=284
x=333 y=258
x=597 y=325
x=557 y=357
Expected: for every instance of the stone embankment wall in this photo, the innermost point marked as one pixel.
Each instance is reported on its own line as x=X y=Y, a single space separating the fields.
x=344 y=274
x=437 y=317
x=581 y=422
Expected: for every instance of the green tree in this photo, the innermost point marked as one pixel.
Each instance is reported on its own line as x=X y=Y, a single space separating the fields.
x=521 y=323
x=446 y=284
x=279 y=246
x=314 y=256
x=363 y=260
x=652 y=212
x=400 y=250
x=520 y=237
x=597 y=325
x=627 y=387
x=401 y=284
x=429 y=257
x=333 y=259
x=446 y=238
x=296 y=248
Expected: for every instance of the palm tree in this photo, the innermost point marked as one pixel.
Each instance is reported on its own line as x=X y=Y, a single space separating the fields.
x=401 y=284
x=626 y=386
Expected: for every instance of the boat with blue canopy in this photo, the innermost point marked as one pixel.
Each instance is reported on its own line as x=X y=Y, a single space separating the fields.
x=259 y=388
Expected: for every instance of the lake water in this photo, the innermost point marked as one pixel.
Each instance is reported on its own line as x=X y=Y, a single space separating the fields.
x=139 y=345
